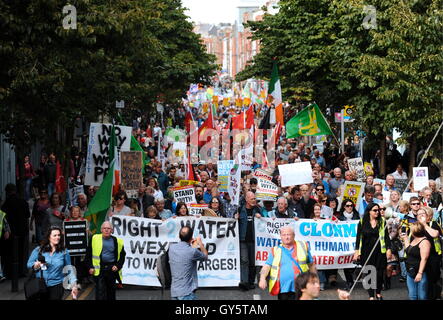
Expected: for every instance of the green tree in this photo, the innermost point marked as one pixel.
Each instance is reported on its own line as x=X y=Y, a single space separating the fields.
x=121 y=50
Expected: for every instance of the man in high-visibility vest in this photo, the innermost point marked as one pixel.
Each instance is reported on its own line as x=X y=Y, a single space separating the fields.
x=105 y=257
x=285 y=263
x=5 y=231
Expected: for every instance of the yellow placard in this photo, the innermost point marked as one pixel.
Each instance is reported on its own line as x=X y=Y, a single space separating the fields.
x=226 y=102
x=205 y=107
x=369 y=170
x=183 y=183
x=215 y=99
x=246 y=101
x=238 y=102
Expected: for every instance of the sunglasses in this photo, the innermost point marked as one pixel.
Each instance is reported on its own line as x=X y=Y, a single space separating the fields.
x=375 y=210
x=214 y=202
x=349 y=206
x=320 y=189
x=382 y=209
x=415 y=204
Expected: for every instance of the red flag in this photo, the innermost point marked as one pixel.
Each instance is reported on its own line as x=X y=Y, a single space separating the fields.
x=250 y=117
x=277 y=132
x=60 y=184
x=238 y=122
x=208 y=124
x=188 y=119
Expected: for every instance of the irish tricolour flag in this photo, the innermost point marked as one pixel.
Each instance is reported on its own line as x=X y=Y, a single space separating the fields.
x=274 y=94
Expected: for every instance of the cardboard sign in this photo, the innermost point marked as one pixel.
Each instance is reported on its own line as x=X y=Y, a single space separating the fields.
x=97 y=160
x=266 y=190
x=353 y=191
x=224 y=169
x=369 y=169
x=295 y=174
x=131 y=170
x=197 y=209
x=73 y=194
x=421 y=177
x=76 y=237
x=356 y=165
x=185 y=194
x=400 y=185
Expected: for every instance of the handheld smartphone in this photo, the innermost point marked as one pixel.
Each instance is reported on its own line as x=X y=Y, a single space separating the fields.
x=403 y=229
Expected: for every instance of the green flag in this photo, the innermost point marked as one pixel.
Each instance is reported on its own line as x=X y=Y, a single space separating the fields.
x=308 y=122
x=99 y=205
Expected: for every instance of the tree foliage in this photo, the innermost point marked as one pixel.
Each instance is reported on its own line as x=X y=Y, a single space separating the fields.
x=121 y=50
x=391 y=73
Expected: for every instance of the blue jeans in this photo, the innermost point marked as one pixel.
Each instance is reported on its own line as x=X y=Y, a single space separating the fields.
x=417 y=290
x=191 y=296
x=401 y=253
x=28 y=185
x=51 y=188
x=322 y=276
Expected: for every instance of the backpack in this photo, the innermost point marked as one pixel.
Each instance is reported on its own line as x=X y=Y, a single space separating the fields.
x=164 y=270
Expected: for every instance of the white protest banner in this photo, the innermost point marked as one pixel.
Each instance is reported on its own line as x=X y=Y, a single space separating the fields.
x=266 y=190
x=197 y=209
x=235 y=183
x=421 y=177
x=184 y=194
x=97 y=160
x=408 y=195
x=224 y=169
x=356 y=165
x=145 y=239
x=295 y=174
x=332 y=244
x=260 y=173
x=73 y=194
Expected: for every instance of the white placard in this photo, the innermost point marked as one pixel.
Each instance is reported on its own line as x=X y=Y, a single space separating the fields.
x=295 y=174
x=97 y=160
x=408 y=195
x=356 y=165
x=421 y=177
x=185 y=194
x=266 y=190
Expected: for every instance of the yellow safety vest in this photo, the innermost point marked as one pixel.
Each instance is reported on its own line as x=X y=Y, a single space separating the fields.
x=437 y=244
x=302 y=259
x=2 y=217
x=381 y=234
x=97 y=246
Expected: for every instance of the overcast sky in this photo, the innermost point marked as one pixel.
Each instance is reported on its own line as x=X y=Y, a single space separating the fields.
x=215 y=11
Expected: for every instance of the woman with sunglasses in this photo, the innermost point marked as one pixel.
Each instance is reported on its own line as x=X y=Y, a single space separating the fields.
x=119 y=208
x=348 y=213
x=370 y=230
x=216 y=206
x=51 y=258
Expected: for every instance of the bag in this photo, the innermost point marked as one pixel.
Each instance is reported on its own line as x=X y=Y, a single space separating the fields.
x=164 y=270
x=396 y=245
x=35 y=287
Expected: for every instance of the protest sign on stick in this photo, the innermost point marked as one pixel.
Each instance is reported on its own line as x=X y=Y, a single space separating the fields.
x=132 y=172
x=266 y=190
x=76 y=237
x=185 y=194
x=356 y=165
x=421 y=177
x=295 y=174
x=353 y=191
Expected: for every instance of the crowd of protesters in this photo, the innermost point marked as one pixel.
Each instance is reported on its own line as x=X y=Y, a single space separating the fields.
x=330 y=172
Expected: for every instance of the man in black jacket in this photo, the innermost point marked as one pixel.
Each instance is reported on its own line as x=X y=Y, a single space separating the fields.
x=144 y=200
x=105 y=258
x=294 y=204
x=17 y=215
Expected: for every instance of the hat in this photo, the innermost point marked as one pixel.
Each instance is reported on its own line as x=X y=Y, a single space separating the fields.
x=209 y=213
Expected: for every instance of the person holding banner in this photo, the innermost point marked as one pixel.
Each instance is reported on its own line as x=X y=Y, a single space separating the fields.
x=217 y=207
x=285 y=263
x=371 y=232
x=105 y=258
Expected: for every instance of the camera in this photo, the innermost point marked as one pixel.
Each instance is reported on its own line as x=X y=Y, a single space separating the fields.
x=42 y=260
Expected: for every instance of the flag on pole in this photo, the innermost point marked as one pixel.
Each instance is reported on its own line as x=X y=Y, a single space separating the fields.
x=100 y=203
x=274 y=94
x=308 y=122
x=208 y=124
x=60 y=183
